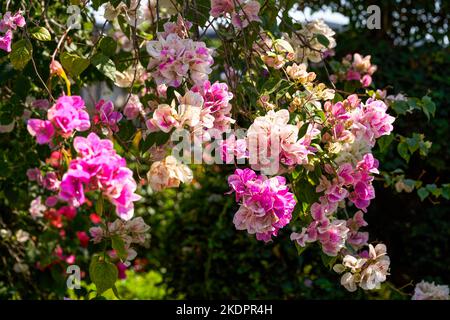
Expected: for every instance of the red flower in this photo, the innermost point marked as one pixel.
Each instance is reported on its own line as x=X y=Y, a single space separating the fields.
x=84 y=238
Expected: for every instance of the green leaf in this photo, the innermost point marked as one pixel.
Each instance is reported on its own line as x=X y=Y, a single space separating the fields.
x=428 y=106
x=413 y=143
x=305 y=191
x=103 y=274
x=124 y=26
x=116 y=292
x=99 y=206
x=384 y=142
x=303 y=129
x=422 y=193
x=283 y=90
x=410 y=183
x=328 y=261
x=119 y=245
x=446 y=191
x=41 y=34
x=424 y=147
x=300 y=249
x=108 y=46
x=400 y=107
x=73 y=63
x=155 y=138
x=97 y=3
x=21 y=54
x=104 y=65
x=435 y=191
x=323 y=40
x=297 y=171
x=402 y=149
x=337 y=97
x=272 y=85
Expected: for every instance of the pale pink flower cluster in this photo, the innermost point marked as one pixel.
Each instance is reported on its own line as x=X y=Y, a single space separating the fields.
x=98 y=167
x=233 y=148
x=37 y=209
x=134 y=231
x=216 y=110
x=373 y=120
x=331 y=234
x=357 y=68
x=316 y=50
x=298 y=72
x=131 y=231
x=188 y=112
x=67 y=115
x=173 y=59
x=34 y=174
x=352 y=121
x=356 y=238
x=266 y=203
x=51 y=181
x=354 y=128
x=274 y=52
x=133 y=108
x=8 y=23
x=352 y=124
x=354 y=183
x=168 y=173
x=241 y=15
x=271 y=138
x=368 y=270
x=430 y=291
x=181 y=28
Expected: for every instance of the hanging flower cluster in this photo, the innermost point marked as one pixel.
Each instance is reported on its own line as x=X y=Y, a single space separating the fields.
x=271 y=137
x=174 y=59
x=216 y=109
x=275 y=53
x=331 y=139
x=241 y=12
x=134 y=231
x=313 y=42
x=311 y=146
x=67 y=115
x=98 y=167
x=168 y=173
x=106 y=116
x=266 y=203
x=430 y=291
x=356 y=68
x=367 y=270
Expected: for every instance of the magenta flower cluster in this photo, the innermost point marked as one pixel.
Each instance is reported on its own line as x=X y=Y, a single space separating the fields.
x=8 y=23
x=106 y=115
x=266 y=203
x=352 y=183
x=355 y=126
x=67 y=115
x=98 y=167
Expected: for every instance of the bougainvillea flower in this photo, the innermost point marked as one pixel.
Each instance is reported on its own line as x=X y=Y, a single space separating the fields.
x=5 y=41
x=43 y=130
